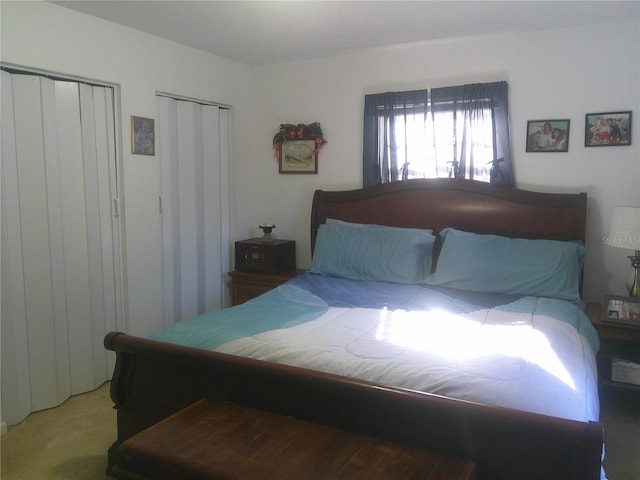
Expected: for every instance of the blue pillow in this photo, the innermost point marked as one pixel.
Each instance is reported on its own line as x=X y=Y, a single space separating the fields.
x=494 y=264
x=373 y=252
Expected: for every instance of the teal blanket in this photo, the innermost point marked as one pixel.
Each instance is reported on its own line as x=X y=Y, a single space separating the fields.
x=283 y=307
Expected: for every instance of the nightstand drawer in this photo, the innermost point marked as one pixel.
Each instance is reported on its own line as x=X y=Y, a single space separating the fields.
x=242 y=292
x=248 y=285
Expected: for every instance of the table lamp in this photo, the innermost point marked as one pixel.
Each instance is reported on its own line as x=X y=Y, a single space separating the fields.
x=625 y=233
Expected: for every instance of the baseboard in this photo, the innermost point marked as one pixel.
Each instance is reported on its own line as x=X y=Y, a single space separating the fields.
x=3 y=427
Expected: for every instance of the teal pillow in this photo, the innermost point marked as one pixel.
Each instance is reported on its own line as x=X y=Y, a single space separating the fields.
x=494 y=264
x=352 y=224
x=373 y=252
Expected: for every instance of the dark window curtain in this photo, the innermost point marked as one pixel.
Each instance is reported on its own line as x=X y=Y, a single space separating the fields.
x=381 y=162
x=469 y=104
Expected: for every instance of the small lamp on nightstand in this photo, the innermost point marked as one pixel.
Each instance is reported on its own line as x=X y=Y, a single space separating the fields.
x=267 y=228
x=625 y=233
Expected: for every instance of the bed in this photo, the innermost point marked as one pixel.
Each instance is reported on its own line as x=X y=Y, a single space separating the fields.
x=438 y=314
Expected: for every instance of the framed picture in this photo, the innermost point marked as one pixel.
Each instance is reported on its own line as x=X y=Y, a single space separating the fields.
x=612 y=129
x=624 y=310
x=548 y=135
x=142 y=136
x=298 y=156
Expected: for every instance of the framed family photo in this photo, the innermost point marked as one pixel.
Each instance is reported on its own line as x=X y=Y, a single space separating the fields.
x=625 y=310
x=142 y=136
x=609 y=129
x=548 y=135
x=298 y=156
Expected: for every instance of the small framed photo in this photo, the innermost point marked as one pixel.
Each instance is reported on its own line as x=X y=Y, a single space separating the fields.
x=548 y=135
x=625 y=310
x=142 y=136
x=611 y=129
x=298 y=156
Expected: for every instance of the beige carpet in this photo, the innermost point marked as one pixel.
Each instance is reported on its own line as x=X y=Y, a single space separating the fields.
x=65 y=443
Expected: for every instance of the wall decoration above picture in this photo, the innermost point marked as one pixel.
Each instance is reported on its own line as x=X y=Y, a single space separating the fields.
x=296 y=147
x=142 y=136
x=612 y=129
x=548 y=135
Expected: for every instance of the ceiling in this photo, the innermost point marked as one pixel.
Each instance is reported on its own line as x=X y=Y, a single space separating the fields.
x=267 y=32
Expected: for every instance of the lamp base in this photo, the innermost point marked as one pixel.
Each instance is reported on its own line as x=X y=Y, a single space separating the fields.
x=634 y=291
x=267 y=228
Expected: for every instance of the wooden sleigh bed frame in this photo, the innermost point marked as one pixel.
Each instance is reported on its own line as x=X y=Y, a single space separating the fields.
x=153 y=380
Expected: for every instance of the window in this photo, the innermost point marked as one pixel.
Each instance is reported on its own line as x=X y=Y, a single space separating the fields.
x=456 y=132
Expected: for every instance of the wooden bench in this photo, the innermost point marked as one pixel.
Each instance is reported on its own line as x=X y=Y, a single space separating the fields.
x=219 y=440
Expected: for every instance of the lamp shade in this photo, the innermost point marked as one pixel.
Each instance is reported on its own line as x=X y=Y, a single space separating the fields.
x=625 y=228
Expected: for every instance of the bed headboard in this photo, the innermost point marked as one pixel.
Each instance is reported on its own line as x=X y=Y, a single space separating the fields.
x=464 y=204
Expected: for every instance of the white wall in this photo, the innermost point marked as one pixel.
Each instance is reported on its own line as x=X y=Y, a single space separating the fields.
x=561 y=74
x=49 y=37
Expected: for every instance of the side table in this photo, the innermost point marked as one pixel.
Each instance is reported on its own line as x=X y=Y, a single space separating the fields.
x=614 y=338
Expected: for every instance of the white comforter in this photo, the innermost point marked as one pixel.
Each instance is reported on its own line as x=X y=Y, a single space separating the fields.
x=523 y=361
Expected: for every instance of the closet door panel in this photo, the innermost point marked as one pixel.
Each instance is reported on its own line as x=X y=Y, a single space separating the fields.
x=16 y=387
x=225 y=209
x=56 y=240
x=193 y=147
x=188 y=186
x=168 y=150
x=99 y=232
x=76 y=231
x=36 y=254
x=211 y=282
x=108 y=226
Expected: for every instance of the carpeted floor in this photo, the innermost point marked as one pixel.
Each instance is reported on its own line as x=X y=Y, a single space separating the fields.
x=620 y=413
x=70 y=442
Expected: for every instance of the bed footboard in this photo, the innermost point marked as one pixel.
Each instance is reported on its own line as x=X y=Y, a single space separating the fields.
x=153 y=380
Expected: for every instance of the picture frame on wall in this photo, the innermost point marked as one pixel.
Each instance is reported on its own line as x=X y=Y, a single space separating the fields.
x=298 y=156
x=142 y=136
x=607 y=129
x=548 y=135
x=624 y=310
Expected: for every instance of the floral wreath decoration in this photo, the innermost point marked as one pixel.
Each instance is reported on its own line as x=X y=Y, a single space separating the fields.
x=289 y=132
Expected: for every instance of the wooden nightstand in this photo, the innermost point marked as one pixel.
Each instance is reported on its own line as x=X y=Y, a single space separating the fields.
x=248 y=285
x=614 y=338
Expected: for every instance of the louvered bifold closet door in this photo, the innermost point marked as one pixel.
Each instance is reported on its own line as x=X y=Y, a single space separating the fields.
x=193 y=146
x=60 y=254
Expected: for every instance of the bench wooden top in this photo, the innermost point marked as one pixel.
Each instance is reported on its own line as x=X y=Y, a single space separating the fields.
x=214 y=439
